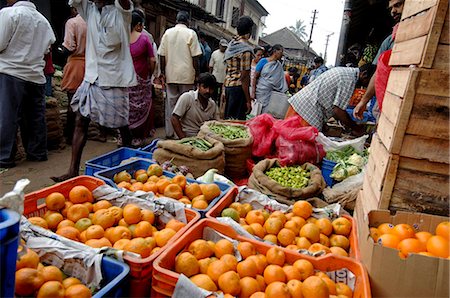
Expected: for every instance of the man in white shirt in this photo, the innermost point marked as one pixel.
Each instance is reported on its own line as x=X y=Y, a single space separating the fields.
x=103 y=95
x=218 y=67
x=179 y=53
x=25 y=36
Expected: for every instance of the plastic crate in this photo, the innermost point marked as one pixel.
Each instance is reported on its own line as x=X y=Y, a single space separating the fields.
x=353 y=237
x=140 y=269
x=327 y=169
x=112 y=159
x=151 y=147
x=165 y=279
x=114 y=277
x=108 y=174
x=9 y=241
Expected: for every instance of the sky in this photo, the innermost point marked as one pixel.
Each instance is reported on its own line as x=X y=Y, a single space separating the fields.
x=284 y=13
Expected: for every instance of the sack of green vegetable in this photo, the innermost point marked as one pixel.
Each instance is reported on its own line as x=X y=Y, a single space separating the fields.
x=286 y=184
x=237 y=141
x=198 y=154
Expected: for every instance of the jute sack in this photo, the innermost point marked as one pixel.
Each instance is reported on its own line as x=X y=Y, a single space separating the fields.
x=236 y=151
x=286 y=195
x=196 y=160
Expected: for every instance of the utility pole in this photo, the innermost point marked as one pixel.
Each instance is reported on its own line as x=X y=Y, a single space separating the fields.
x=312 y=28
x=326 y=47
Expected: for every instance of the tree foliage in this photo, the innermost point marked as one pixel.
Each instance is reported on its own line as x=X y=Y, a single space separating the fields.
x=299 y=29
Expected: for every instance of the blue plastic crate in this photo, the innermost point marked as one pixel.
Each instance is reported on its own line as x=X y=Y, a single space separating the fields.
x=114 y=278
x=151 y=147
x=113 y=158
x=327 y=169
x=9 y=241
x=108 y=174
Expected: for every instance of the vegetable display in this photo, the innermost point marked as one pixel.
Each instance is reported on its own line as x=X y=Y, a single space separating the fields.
x=293 y=176
x=349 y=162
x=198 y=143
x=229 y=132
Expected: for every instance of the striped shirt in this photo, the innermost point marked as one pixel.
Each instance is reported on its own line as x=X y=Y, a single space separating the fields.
x=235 y=65
x=315 y=102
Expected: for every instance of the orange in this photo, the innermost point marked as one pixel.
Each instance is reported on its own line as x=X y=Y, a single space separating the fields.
x=30 y=259
x=324 y=240
x=137 y=186
x=70 y=281
x=66 y=207
x=200 y=204
x=192 y=190
x=53 y=289
x=77 y=291
x=173 y=191
x=83 y=236
x=258 y=229
x=55 y=201
x=331 y=285
x=38 y=221
x=295 y=288
x=95 y=232
x=410 y=245
x=80 y=194
x=99 y=243
x=163 y=236
x=303 y=243
x=271 y=238
x=249 y=286
x=120 y=244
x=69 y=232
x=385 y=228
x=210 y=191
x=280 y=215
x=247 y=208
x=423 y=238
x=273 y=225
x=315 y=287
x=131 y=214
x=258 y=295
x=374 y=233
x=200 y=249
x=443 y=229
x=180 y=180
x=77 y=211
x=438 y=246
x=28 y=280
x=325 y=226
x=291 y=272
x=293 y=226
x=212 y=245
x=161 y=184
x=216 y=269
x=260 y=264
x=204 y=281
x=117 y=213
x=316 y=247
x=118 y=233
x=274 y=273
x=246 y=249
x=388 y=240
x=342 y=226
x=102 y=204
x=153 y=178
x=286 y=237
x=305 y=268
x=255 y=216
x=403 y=231
x=150 y=186
x=302 y=209
x=343 y=289
x=124 y=184
x=299 y=220
x=143 y=229
x=321 y=274
x=53 y=220
x=223 y=247
x=261 y=282
x=149 y=216
x=123 y=223
x=338 y=251
x=229 y=283
x=340 y=241
x=311 y=232
x=204 y=264
x=175 y=225
x=139 y=246
x=66 y=223
x=247 y=268
x=230 y=261
x=275 y=256
x=277 y=290
x=151 y=242
x=185 y=201
x=51 y=273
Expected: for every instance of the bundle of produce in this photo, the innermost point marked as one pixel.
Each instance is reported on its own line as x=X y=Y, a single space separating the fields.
x=198 y=154
x=349 y=162
x=237 y=141
x=286 y=184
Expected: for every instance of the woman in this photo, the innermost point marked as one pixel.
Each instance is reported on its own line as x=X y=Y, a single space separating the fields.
x=259 y=53
x=270 y=77
x=140 y=96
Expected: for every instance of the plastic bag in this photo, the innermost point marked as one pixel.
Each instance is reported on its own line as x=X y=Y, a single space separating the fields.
x=296 y=144
x=263 y=134
x=330 y=145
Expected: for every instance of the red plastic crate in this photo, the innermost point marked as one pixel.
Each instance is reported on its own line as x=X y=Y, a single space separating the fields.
x=353 y=237
x=165 y=279
x=140 y=269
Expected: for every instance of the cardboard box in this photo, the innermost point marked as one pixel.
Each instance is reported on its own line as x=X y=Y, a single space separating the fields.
x=391 y=276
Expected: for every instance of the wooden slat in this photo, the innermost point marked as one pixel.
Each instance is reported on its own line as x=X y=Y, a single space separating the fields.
x=413 y=7
x=445 y=34
x=398 y=81
x=369 y=198
x=386 y=130
x=392 y=107
x=441 y=58
x=424 y=166
x=389 y=181
x=434 y=82
x=408 y=52
x=418 y=147
x=415 y=27
x=378 y=163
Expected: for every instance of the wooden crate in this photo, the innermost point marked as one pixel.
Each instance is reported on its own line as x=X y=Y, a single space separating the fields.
x=422 y=37
x=395 y=182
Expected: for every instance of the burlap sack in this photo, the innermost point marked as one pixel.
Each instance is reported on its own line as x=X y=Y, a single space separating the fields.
x=236 y=151
x=196 y=160
x=286 y=195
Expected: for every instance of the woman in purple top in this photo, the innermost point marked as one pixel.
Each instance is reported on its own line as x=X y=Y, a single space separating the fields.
x=140 y=96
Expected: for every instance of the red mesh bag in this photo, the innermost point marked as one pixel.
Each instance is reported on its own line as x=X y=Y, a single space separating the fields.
x=263 y=134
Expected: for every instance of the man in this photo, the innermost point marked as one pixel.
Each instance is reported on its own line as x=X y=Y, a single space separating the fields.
x=396 y=8
x=238 y=57
x=75 y=46
x=217 y=67
x=25 y=37
x=195 y=107
x=103 y=95
x=328 y=96
x=319 y=69
x=206 y=52
x=179 y=53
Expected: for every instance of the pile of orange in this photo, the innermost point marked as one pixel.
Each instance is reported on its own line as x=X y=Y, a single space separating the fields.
x=214 y=267
x=99 y=224
x=297 y=229
x=197 y=195
x=35 y=279
x=404 y=238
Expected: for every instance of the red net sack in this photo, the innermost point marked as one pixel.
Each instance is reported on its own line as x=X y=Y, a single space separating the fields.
x=263 y=134
x=382 y=76
x=296 y=144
